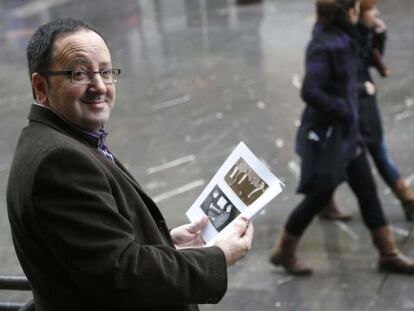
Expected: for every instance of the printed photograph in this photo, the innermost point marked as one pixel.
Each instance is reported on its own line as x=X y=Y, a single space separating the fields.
x=219 y=209
x=245 y=182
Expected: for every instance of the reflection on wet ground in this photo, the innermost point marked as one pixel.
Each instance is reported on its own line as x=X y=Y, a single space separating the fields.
x=198 y=76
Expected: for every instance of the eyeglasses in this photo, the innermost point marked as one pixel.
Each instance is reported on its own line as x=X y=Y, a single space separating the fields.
x=108 y=76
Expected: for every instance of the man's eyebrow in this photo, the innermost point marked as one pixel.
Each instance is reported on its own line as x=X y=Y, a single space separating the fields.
x=79 y=61
x=85 y=61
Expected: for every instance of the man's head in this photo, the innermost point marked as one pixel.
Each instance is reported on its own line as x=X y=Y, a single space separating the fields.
x=63 y=54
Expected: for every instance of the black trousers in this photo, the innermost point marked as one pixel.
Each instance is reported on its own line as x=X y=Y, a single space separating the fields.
x=362 y=183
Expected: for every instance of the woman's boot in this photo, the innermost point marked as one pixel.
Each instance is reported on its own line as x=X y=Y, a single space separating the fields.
x=284 y=254
x=406 y=196
x=390 y=258
x=332 y=212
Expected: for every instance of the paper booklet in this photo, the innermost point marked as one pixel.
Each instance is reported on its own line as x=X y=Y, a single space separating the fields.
x=242 y=186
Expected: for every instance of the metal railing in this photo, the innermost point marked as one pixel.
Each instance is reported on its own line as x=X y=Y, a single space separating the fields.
x=15 y=283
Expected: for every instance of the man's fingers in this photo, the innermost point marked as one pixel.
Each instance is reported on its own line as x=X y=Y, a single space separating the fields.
x=249 y=231
x=248 y=235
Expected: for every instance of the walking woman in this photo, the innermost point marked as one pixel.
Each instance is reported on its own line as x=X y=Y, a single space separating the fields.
x=329 y=143
x=371 y=36
x=371 y=39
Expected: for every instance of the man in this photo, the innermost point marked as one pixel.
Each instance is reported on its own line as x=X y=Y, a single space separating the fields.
x=86 y=234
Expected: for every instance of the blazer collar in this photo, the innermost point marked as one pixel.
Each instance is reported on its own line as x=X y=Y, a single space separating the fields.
x=46 y=116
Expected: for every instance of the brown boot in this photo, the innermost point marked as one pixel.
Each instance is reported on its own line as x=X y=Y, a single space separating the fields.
x=406 y=196
x=332 y=212
x=390 y=258
x=284 y=255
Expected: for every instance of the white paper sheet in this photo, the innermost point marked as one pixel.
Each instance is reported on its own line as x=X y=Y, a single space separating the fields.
x=242 y=186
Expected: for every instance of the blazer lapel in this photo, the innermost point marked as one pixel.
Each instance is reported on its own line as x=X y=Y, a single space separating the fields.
x=153 y=208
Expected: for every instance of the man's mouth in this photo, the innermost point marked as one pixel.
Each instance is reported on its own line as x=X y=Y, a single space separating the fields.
x=97 y=100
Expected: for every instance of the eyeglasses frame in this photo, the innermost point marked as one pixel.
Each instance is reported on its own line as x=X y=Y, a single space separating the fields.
x=69 y=73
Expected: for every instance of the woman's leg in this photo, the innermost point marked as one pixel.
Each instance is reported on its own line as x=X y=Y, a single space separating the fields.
x=284 y=251
x=363 y=185
x=389 y=172
x=303 y=214
x=385 y=165
x=333 y=212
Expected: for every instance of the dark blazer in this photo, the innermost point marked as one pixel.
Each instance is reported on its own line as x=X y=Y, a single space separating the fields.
x=88 y=237
x=330 y=92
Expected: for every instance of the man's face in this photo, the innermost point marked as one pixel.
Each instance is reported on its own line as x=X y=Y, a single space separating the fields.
x=90 y=105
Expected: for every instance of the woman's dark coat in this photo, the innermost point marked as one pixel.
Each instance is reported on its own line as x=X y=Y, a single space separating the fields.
x=370 y=50
x=328 y=135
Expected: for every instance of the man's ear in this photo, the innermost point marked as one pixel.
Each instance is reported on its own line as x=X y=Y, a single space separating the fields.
x=40 y=87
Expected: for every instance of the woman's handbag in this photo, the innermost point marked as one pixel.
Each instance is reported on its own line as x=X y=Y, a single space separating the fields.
x=323 y=165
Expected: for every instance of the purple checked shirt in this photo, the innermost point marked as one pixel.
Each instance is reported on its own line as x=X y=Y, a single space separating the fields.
x=99 y=138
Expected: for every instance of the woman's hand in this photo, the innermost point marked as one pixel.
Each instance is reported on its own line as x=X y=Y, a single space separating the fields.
x=379 y=25
x=370 y=88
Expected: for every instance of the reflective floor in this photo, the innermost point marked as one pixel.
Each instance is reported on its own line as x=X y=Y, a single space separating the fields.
x=198 y=76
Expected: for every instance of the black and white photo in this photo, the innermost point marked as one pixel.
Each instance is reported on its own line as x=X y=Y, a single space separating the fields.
x=219 y=209
x=245 y=182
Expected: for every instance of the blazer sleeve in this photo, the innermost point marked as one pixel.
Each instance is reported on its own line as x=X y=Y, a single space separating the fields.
x=378 y=41
x=75 y=214
x=317 y=84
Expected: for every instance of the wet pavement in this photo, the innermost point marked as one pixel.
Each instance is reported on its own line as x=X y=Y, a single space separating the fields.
x=198 y=76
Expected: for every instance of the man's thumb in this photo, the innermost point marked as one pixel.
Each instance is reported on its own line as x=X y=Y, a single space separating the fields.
x=198 y=225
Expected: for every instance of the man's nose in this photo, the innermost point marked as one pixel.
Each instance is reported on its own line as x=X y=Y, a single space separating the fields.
x=97 y=83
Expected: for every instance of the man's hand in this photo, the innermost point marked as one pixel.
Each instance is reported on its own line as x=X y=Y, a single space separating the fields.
x=187 y=236
x=237 y=240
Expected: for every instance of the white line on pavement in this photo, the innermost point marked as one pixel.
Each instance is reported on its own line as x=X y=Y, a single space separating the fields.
x=173 y=102
x=177 y=191
x=170 y=164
